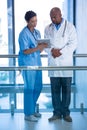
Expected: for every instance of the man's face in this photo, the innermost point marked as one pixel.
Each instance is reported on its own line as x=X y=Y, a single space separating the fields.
x=56 y=17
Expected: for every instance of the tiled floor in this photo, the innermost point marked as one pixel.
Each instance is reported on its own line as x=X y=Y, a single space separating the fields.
x=17 y=122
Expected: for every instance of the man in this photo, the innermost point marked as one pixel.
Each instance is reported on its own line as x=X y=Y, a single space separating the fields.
x=63 y=41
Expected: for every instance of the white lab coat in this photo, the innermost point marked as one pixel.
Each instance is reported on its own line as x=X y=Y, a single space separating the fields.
x=66 y=43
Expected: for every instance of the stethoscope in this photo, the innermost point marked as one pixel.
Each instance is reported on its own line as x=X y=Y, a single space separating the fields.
x=35 y=38
x=64 y=29
x=63 y=34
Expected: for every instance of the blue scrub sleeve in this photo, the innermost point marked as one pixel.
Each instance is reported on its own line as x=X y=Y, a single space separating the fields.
x=23 y=42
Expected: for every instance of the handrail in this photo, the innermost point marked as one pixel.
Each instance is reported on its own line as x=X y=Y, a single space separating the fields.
x=11 y=68
x=43 y=55
x=9 y=56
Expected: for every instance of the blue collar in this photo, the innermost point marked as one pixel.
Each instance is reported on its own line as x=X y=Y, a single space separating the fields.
x=58 y=26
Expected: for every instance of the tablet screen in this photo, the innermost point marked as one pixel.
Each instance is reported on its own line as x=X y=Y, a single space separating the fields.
x=44 y=41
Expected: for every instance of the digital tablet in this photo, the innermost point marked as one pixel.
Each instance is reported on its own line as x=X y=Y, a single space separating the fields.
x=44 y=41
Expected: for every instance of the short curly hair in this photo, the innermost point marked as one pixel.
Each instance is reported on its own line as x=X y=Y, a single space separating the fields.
x=29 y=15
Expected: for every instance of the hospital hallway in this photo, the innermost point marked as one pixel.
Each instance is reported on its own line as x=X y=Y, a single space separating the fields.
x=17 y=122
x=12 y=21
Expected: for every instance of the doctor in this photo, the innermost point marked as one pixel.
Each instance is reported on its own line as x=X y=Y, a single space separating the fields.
x=29 y=55
x=63 y=41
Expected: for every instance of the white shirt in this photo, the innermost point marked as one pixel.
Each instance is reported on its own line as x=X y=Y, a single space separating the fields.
x=66 y=43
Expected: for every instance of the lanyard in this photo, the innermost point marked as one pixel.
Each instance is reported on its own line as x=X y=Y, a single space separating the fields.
x=32 y=34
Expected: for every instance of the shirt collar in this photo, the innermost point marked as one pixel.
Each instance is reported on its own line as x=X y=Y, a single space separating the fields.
x=58 y=26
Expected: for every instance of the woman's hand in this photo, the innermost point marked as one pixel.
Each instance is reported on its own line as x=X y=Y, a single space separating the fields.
x=41 y=46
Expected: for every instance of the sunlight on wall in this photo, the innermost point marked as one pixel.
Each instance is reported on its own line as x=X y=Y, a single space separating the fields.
x=3 y=26
x=41 y=7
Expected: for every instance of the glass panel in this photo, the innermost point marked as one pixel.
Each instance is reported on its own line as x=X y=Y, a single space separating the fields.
x=3 y=28
x=4 y=101
x=6 y=47
x=19 y=78
x=6 y=40
x=3 y=39
x=45 y=101
x=19 y=99
x=46 y=79
x=81 y=82
x=42 y=21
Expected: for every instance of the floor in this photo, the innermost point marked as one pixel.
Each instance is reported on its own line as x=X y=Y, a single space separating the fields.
x=17 y=122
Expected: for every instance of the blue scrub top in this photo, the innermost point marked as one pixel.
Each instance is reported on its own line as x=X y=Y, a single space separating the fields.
x=28 y=40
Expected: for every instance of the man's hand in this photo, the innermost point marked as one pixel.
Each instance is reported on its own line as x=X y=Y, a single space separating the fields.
x=55 y=52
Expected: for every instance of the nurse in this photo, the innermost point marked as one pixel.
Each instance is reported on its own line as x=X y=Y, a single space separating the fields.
x=29 y=55
x=63 y=40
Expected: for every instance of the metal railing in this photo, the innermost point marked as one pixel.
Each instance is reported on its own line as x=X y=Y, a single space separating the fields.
x=42 y=55
x=43 y=68
x=11 y=68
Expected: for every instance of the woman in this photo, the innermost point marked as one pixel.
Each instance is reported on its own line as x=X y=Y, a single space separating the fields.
x=29 y=55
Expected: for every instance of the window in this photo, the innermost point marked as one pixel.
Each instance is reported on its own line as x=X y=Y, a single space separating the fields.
x=43 y=19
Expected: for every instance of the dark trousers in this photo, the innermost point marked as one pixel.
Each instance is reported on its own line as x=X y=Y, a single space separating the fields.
x=61 y=95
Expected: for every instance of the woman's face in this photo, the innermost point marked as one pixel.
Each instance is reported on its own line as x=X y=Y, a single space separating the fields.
x=33 y=22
